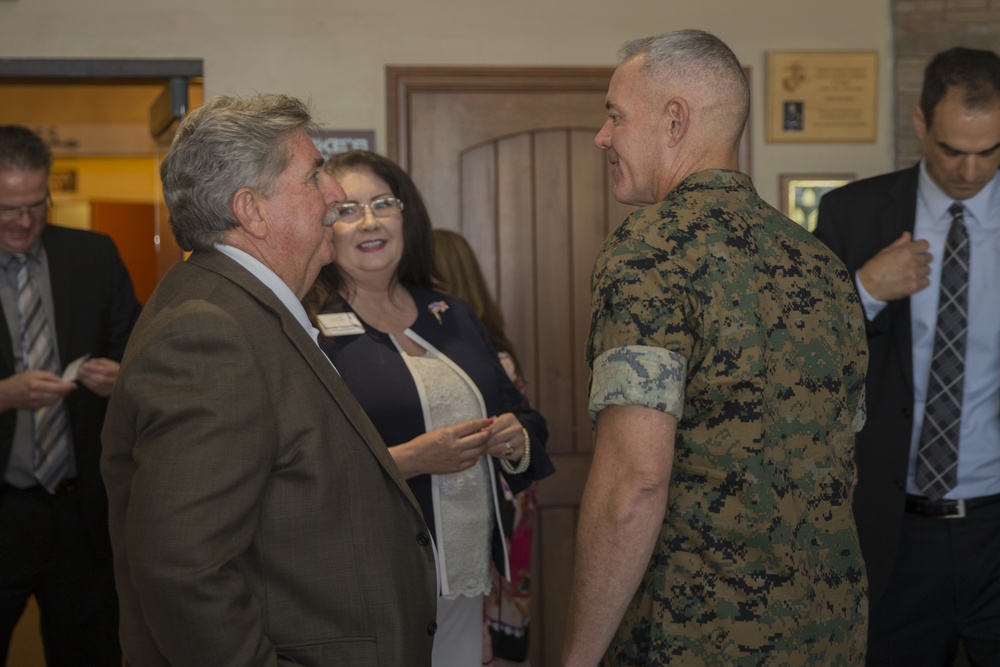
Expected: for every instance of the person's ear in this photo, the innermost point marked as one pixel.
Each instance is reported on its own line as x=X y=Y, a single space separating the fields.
x=678 y=119
x=248 y=210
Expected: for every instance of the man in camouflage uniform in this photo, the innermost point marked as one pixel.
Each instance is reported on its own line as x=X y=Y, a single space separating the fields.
x=728 y=354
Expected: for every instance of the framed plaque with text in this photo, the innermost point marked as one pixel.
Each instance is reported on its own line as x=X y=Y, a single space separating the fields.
x=821 y=96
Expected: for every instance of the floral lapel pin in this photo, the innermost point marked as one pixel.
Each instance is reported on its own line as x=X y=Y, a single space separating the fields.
x=437 y=308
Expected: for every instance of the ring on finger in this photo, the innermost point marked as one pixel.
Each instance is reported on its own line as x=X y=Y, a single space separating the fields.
x=508 y=449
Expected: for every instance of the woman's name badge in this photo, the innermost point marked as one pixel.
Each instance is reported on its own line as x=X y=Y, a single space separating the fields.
x=339 y=324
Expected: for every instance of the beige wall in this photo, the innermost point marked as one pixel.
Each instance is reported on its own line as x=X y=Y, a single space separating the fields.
x=334 y=52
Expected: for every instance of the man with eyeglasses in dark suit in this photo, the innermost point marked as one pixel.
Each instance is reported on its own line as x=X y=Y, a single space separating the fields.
x=66 y=295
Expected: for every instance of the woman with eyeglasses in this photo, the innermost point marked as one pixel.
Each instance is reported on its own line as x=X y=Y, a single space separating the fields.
x=422 y=365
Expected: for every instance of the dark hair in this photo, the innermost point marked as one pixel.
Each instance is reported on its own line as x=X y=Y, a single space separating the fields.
x=227 y=144
x=22 y=149
x=973 y=72
x=462 y=276
x=416 y=267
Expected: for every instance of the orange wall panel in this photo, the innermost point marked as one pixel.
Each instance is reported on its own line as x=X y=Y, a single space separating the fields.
x=132 y=228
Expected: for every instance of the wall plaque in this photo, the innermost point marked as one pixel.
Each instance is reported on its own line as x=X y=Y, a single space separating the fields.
x=822 y=96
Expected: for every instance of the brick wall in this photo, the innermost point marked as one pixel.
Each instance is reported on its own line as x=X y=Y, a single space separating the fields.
x=922 y=29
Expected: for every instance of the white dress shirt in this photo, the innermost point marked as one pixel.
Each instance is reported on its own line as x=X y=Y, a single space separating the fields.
x=273 y=283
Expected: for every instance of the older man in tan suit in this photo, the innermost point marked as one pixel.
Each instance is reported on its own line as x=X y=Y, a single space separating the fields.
x=256 y=516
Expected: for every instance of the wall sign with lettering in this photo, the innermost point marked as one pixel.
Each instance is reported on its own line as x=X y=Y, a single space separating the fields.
x=822 y=96
x=331 y=142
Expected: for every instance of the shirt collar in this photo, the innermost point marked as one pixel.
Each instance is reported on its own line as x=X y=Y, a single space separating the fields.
x=272 y=282
x=982 y=210
x=32 y=254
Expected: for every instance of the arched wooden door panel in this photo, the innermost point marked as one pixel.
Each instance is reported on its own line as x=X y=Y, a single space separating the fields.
x=535 y=208
x=506 y=157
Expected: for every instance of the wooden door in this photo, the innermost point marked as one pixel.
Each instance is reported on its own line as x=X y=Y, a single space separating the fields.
x=507 y=158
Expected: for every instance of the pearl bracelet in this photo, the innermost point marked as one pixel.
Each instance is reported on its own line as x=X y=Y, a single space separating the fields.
x=522 y=467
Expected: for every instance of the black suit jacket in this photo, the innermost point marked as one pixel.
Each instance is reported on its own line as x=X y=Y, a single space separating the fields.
x=856 y=222
x=95 y=309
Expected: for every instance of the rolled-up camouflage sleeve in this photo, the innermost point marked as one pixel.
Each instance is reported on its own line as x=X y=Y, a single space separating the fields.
x=638 y=375
x=641 y=326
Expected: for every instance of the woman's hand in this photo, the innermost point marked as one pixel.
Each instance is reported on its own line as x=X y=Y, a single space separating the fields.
x=443 y=450
x=506 y=438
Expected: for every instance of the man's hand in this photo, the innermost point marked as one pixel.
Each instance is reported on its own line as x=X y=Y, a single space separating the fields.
x=99 y=375
x=898 y=270
x=32 y=390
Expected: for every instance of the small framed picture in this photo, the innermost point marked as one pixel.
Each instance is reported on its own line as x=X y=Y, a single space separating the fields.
x=800 y=194
x=791 y=120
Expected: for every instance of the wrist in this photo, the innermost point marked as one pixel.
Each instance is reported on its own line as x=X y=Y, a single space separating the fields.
x=522 y=466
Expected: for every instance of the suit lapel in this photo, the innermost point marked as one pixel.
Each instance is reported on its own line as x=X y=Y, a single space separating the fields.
x=898 y=215
x=318 y=361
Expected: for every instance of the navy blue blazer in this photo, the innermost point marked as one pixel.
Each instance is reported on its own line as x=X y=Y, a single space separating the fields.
x=377 y=375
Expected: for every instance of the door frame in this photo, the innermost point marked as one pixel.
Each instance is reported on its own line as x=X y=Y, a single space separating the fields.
x=401 y=81
x=175 y=75
x=26 y=641
x=102 y=69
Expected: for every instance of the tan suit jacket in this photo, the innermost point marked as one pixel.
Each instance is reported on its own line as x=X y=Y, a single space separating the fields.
x=256 y=516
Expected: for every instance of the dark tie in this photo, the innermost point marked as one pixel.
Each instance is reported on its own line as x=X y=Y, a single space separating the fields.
x=937 y=453
x=51 y=443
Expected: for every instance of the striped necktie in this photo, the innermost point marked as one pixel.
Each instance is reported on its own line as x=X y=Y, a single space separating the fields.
x=937 y=453
x=51 y=442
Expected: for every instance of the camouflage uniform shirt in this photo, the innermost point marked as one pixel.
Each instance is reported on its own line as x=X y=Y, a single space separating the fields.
x=717 y=309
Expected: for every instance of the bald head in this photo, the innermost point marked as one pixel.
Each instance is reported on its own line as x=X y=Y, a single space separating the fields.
x=699 y=67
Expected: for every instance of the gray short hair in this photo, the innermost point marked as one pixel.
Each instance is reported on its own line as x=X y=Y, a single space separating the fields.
x=227 y=144
x=697 y=56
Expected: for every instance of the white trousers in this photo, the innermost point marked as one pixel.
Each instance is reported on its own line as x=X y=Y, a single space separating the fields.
x=458 y=641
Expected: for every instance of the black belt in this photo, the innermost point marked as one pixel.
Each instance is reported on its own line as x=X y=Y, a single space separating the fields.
x=64 y=486
x=946 y=509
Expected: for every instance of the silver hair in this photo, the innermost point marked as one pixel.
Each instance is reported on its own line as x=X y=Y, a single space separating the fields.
x=227 y=144
x=694 y=55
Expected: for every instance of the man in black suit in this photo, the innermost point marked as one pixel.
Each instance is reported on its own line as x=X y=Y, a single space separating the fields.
x=66 y=295
x=929 y=521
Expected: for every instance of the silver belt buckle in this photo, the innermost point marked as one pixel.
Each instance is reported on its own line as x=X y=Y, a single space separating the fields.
x=960 y=504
